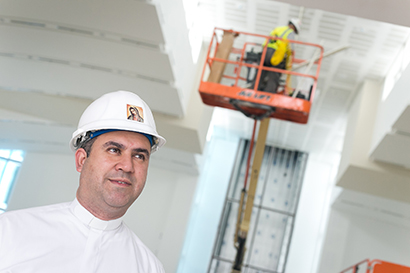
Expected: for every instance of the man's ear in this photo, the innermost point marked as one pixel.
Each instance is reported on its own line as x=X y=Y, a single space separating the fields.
x=80 y=157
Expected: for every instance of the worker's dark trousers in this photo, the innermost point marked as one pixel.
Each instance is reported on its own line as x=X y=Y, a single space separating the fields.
x=269 y=81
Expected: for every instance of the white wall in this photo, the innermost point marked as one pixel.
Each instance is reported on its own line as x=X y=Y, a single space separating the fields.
x=364 y=223
x=219 y=156
x=308 y=234
x=44 y=178
x=313 y=209
x=353 y=237
x=392 y=107
x=158 y=217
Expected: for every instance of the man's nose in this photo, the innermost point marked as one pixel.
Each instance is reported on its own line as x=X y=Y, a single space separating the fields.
x=125 y=163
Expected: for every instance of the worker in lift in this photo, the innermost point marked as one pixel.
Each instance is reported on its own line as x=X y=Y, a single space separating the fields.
x=278 y=55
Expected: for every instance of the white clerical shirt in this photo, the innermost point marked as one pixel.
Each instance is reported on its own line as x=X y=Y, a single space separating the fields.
x=68 y=238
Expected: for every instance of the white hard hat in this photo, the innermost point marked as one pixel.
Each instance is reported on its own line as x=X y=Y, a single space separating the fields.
x=296 y=23
x=114 y=111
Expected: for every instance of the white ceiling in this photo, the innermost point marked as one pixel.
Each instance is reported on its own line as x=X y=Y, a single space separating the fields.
x=84 y=49
x=56 y=56
x=373 y=47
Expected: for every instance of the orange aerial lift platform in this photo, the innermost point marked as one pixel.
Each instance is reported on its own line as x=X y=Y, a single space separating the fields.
x=228 y=70
x=376 y=266
x=227 y=87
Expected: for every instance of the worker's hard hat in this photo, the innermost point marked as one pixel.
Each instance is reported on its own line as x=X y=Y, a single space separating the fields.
x=121 y=110
x=296 y=23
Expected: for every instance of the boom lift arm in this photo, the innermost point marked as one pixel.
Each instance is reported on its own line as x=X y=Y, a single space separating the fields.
x=255 y=104
x=244 y=216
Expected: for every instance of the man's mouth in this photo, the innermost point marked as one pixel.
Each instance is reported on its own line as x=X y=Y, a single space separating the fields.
x=121 y=182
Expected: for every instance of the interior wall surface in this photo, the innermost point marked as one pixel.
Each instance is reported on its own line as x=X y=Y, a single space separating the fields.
x=207 y=207
x=392 y=107
x=353 y=237
x=158 y=217
x=357 y=170
x=44 y=179
x=311 y=217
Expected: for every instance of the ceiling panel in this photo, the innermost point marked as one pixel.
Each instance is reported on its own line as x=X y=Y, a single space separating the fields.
x=236 y=13
x=90 y=50
x=331 y=27
x=267 y=16
x=373 y=46
x=84 y=49
x=82 y=82
x=121 y=17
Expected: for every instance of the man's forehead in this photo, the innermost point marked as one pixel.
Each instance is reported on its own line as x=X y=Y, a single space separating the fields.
x=124 y=138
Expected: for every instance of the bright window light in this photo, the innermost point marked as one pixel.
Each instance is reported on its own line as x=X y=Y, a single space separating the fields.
x=10 y=162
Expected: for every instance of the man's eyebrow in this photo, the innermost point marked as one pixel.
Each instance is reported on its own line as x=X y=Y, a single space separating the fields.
x=113 y=143
x=141 y=150
x=121 y=146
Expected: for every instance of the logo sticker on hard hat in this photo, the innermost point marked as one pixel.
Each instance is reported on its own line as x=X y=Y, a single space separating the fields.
x=135 y=113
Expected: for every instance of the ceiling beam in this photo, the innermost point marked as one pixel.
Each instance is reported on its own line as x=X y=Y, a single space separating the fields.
x=357 y=171
x=56 y=108
x=389 y=11
x=56 y=117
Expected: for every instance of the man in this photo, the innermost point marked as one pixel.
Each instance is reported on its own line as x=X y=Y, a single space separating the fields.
x=87 y=235
x=278 y=55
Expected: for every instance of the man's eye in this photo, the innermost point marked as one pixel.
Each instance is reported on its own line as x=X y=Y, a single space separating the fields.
x=114 y=150
x=140 y=156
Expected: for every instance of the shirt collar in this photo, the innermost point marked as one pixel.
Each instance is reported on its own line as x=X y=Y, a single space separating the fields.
x=90 y=220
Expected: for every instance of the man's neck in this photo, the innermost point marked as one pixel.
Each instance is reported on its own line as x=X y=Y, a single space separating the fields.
x=105 y=215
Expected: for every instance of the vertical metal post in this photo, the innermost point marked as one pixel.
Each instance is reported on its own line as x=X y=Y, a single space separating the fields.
x=245 y=223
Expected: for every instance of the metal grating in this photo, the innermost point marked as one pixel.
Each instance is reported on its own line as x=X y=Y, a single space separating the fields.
x=273 y=213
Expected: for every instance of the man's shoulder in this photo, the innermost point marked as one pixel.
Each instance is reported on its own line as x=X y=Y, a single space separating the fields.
x=146 y=254
x=131 y=234
x=34 y=211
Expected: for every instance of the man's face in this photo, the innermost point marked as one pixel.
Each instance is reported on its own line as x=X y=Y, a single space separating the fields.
x=114 y=173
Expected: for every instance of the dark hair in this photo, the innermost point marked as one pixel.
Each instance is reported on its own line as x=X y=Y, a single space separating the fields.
x=87 y=145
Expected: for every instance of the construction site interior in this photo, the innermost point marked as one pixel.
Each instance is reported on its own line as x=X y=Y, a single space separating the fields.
x=313 y=178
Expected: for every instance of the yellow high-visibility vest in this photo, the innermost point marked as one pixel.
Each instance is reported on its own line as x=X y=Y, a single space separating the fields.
x=282 y=48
